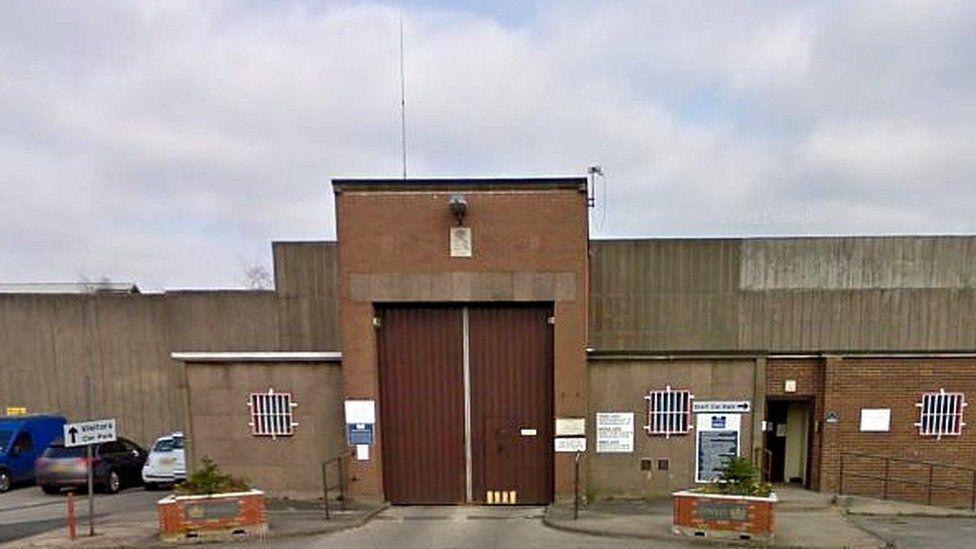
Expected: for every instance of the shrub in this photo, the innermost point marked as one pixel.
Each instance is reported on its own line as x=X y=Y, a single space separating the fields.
x=209 y=479
x=740 y=478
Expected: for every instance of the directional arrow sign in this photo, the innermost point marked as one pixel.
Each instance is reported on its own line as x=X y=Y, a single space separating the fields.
x=89 y=432
x=720 y=406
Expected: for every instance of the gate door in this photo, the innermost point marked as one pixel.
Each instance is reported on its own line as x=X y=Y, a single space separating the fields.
x=510 y=355
x=422 y=404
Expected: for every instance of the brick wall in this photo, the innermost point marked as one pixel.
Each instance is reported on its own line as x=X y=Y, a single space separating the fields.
x=897 y=383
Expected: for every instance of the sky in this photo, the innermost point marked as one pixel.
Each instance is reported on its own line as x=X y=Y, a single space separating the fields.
x=168 y=143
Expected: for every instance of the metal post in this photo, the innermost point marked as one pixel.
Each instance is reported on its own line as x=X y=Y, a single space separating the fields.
x=930 y=485
x=342 y=479
x=576 y=487
x=89 y=461
x=884 y=481
x=72 y=523
x=325 y=488
x=840 y=476
x=972 y=503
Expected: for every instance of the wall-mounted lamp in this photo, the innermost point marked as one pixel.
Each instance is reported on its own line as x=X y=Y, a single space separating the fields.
x=459 y=207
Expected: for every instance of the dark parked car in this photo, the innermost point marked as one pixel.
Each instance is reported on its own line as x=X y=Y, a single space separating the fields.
x=115 y=465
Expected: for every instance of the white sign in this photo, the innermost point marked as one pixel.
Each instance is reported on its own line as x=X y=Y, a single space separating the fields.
x=572 y=444
x=461 y=245
x=570 y=426
x=614 y=432
x=362 y=452
x=716 y=442
x=876 y=420
x=360 y=411
x=720 y=406
x=89 y=432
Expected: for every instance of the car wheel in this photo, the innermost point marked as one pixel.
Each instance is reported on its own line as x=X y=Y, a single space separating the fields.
x=112 y=482
x=5 y=480
x=51 y=490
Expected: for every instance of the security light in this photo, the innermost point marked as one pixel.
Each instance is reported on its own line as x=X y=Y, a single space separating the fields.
x=459 y=207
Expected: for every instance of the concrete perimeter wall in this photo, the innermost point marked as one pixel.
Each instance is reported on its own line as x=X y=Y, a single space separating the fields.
x=49 y=343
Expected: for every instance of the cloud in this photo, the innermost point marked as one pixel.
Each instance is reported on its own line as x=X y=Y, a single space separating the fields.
x=164 y=142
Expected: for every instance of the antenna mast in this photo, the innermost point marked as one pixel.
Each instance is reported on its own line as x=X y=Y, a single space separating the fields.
x=403 y=105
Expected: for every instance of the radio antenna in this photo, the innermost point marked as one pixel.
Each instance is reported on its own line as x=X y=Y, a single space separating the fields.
x=403 y=105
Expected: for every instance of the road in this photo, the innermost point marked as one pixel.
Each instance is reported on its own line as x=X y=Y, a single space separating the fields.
x=457 y=527
x=27 y=510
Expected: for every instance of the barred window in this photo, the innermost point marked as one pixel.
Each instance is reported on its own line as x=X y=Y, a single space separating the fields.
x=940 y=414
x=669 y=412
x=271 y=414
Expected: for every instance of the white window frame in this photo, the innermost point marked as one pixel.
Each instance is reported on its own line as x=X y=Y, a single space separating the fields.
x=941 y=414
x=271 y=414
x=669 y=412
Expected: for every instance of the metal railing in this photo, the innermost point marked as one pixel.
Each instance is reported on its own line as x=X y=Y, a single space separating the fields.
x=927 y=485
x=340 y=466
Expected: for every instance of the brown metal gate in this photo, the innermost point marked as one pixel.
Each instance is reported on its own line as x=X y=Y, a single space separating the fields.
x=422 y=404
x=466 y=404
x=511 y=397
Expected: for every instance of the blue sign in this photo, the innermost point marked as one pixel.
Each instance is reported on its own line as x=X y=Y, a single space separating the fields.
x=359 y=433
x=718 y=422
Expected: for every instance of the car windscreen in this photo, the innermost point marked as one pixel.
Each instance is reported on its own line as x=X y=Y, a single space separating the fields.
x=163 y=445
x=177 y=443
x=62 y=452
x=5 y=439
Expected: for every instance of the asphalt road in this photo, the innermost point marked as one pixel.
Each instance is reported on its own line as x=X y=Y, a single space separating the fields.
x=457 y=527
x=27 y=510
x=922 y=532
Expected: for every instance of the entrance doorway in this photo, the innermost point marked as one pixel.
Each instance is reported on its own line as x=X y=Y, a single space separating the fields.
x=466 y=404
x=788 y=436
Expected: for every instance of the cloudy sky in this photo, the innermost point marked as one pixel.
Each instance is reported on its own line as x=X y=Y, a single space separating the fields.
x=169 y=143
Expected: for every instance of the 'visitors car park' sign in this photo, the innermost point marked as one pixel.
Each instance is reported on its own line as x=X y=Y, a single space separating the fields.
x=89 y=432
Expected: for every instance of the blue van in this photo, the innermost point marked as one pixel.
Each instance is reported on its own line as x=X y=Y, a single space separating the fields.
x=22 y=440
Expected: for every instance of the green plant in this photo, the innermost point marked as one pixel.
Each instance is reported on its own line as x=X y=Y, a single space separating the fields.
x=740 y=478
x=209 y=479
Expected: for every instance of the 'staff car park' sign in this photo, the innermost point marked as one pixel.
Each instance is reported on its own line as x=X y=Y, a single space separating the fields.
x=720 y=406
x=89 y=432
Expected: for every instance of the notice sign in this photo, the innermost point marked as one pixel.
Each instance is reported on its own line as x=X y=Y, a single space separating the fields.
x=720 y=406
x=717 y=442
x=570 y=444
x=89 y=432
x=614 y=432
x=359 y=433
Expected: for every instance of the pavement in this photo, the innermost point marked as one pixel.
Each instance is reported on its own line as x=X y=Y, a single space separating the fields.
x=129 y=519
x=803 y=519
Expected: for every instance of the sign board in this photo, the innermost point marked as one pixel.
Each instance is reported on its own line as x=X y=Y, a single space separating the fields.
x=359 y=433
x=832 y=417
x=712 y=510
x=570 y=426
x=360 y=411
x=89 y=432
x=716 y=443
x=720 y=406
x=875 y=420
x=461 y=245
x=614 y=432
x=16 y=411
x=571 y=444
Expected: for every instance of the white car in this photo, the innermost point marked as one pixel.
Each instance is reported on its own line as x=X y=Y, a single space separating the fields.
x=166 y=463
